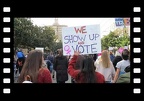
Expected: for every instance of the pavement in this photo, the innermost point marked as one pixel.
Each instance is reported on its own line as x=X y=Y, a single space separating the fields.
x=54 y=79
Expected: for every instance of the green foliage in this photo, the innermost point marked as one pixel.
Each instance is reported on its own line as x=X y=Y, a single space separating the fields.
x=115 y=39
x=56 y=45
x=22 y=31
x=28 y=35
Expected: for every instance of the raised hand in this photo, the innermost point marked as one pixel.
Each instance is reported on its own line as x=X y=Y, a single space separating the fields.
x=76 y=53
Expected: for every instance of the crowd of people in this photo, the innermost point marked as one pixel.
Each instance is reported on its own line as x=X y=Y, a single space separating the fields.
x=104 y=67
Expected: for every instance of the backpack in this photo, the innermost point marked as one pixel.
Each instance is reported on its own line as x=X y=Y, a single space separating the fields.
x=49 y=65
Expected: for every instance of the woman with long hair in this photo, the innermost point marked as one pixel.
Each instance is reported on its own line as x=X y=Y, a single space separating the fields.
x=78 y=65
x=34 y=69
x=105 y=66
x=86 y=73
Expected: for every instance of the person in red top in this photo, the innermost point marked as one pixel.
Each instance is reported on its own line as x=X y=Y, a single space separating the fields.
x=44 y=76
x=87 y=72
x=34 y=69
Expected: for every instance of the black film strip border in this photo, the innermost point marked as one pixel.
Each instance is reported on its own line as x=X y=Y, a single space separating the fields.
x=136 y=31
x=6 y=49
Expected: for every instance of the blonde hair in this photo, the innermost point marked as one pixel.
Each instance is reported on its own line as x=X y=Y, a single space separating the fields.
x=105 y=59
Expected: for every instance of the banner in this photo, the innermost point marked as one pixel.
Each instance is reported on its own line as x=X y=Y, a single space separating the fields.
x=85 y=39
x=120 y=22
x=40 y=48
x=126 y=21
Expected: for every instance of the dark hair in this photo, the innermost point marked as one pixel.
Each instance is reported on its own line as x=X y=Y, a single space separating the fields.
x=125 y=54
x=79 y=61
x=31 y=66
x=60 y=51
x=87 y=70
x=95 y=57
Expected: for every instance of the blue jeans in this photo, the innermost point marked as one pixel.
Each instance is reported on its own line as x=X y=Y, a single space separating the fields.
x=51 y=68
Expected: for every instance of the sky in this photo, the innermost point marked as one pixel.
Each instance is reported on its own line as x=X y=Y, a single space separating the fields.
x=106 y=24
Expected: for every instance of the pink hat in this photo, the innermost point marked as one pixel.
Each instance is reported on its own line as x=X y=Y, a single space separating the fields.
x=120 y=50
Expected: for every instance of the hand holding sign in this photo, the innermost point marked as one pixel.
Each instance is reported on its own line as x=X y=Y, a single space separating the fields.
x=76 y=53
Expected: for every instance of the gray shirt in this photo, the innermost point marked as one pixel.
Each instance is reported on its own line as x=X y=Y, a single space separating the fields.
x=122 y=65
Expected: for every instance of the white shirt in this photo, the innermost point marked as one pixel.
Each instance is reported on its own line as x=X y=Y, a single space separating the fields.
x=108 y=73
x=27 y=82
x=122 y=65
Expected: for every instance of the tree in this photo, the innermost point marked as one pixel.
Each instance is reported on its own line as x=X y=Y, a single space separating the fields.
x=37 y=31
x=115 y=39
x=28 y=35
x=22 y=32
x=46 y=37
x=56 y=45
x=125 y=40
x=104 y=41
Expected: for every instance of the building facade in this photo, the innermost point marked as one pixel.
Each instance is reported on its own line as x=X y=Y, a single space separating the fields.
x=58 y=29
